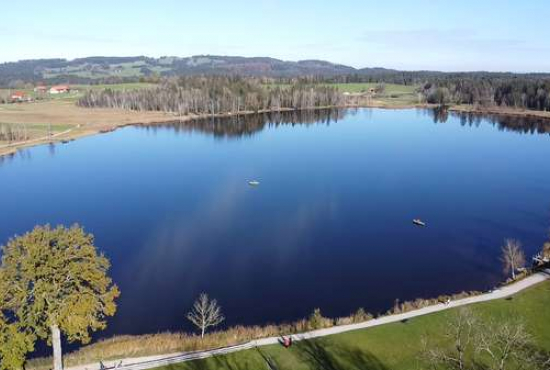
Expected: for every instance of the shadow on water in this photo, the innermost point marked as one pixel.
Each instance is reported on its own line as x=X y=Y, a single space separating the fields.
x=249 y=124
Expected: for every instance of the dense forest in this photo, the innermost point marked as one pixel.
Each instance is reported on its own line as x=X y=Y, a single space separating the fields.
x=528 y=92
x=216 y=95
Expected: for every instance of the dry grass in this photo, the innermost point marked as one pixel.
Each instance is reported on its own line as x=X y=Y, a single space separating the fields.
x=65 y=112
x=166 y=343
x=63 y=115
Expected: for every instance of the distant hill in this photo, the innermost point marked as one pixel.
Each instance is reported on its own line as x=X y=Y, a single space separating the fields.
x=104 y=69
x=96 y=70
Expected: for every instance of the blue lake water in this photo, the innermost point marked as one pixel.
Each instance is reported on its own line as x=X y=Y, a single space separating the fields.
x=329 y=226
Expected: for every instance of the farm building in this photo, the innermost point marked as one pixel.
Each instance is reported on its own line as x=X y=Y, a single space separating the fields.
x=40 y=89
x=60 y=89
x=19 y=96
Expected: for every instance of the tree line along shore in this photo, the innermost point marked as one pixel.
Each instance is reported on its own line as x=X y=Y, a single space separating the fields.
x=102 y=108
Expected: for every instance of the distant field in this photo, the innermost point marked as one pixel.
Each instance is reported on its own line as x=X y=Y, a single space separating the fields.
x=35 y=130
x=78 y=90
x=37 y=118
x=122 y=86
x=97 y=71
x=394 y=346
x=364 y=87
x=393 y=96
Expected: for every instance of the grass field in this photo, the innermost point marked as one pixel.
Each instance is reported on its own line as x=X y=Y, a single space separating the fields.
x=63 y=114
x=393 y=96
x=78 y=91
x=37 y=130
x=364 y=87
x=130 y=69
x=394 y=346
x=57 y=113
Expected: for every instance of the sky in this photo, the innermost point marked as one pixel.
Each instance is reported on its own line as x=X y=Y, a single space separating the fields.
x=504 y=35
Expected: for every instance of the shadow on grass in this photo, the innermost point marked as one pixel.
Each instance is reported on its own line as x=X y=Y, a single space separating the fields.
x=323 y=354
x=269 y=361
x=319 y=354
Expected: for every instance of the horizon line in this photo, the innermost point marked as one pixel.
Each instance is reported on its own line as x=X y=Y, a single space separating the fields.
x=278 y=59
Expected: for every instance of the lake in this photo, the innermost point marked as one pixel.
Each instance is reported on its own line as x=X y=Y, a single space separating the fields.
x=329 y=226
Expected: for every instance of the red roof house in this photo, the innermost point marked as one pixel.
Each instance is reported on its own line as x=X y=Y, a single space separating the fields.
x=60 y=89
x=19 y=96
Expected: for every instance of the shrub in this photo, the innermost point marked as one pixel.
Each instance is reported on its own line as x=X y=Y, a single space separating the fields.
x=317 y=321
x=361 y=316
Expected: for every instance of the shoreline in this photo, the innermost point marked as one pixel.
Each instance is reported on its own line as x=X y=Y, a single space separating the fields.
x=105 y=120
x=135 y=118
x=142 y=362
x=510 y=112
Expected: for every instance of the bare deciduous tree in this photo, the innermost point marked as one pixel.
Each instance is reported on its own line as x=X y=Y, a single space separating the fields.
x=205 y=313
x=216 y=95
x=503 y=343
x=478 y=344
x=460 y=330
x=513 y=257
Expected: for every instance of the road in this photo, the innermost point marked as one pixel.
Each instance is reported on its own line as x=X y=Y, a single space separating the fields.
x=151 y=362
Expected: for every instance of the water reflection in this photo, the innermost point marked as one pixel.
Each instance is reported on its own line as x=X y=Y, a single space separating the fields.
x=250 y=124
x=329 y=225
x=518 y=124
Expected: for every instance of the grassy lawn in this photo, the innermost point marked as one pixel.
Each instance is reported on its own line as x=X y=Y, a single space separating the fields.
x=394 y=346
x=393 y=95
x=364 y=87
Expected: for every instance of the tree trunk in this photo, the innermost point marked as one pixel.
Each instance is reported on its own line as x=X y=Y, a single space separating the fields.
x=56 y=342
x=202 y=332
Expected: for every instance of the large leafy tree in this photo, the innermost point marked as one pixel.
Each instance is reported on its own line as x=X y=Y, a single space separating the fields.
x=53 y=282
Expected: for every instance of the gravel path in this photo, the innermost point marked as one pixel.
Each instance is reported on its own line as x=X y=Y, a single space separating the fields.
x=150 y=362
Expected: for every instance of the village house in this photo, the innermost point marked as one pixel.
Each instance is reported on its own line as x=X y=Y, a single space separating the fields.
x=19 y=97
x=41 y=89
x=60 y=89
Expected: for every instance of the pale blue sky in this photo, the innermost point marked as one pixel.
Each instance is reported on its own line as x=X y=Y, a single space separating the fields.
x=510 y=35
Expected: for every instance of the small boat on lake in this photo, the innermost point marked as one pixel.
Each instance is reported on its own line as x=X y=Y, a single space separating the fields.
x=253 y=183
x=419 y=222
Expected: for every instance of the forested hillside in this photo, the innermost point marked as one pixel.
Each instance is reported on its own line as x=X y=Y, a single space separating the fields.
x=132 y=69
x=526 y=92
x=529 y=91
